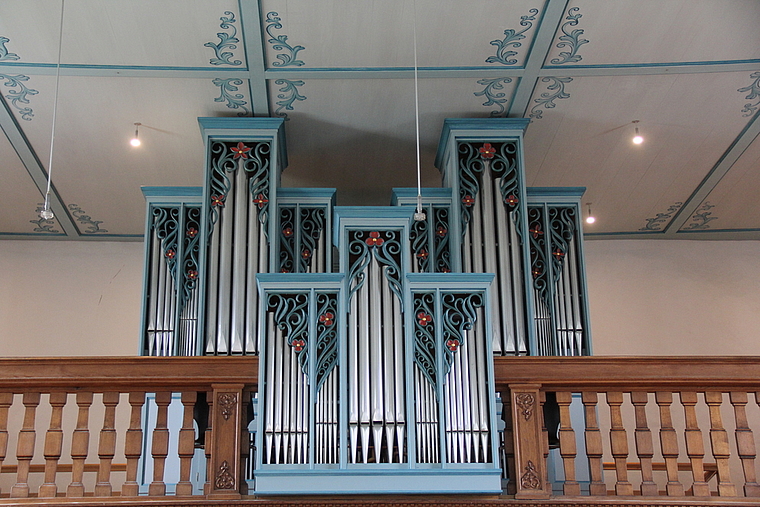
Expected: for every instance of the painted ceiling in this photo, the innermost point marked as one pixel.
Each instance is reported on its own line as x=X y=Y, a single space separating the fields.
x=341 y=73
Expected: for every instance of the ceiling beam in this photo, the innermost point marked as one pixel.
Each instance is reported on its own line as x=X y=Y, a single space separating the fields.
x=720 y=169
x=253 y=43
x=34 y=167
x=539 y=49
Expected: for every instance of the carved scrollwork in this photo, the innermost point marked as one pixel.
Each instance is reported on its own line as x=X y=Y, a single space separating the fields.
x=530 y=479
x=224 y=479
x=525 y=401
x=227 y=402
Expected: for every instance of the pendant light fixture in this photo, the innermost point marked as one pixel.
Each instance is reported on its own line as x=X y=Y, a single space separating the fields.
x=46 y=213
x=637 y=138
x=590 y=219
x=135 y=141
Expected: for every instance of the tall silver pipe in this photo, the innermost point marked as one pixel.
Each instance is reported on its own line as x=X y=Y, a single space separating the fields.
x=212 y=287
x=389 y=367
x=364 y=369
x=151 y=323
x=238 y=280
x=226 y=223
x=399 y=376
x=518 y=297
x=503 y=290
x=353 y=377
x=251 y=270
x=270 y=400
x=279 y=377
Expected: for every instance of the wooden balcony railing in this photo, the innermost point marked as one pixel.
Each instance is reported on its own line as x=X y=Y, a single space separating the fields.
x=654 y=431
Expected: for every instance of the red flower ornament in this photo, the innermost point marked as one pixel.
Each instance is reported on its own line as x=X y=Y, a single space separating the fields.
x=558 y=254
x=327 y=318
x=452 y=344
x=240 y=151
x=192 y=275
x=170 y=254
x=536 y=231
x=512 y=200
x=423 y=319
x=441 y=231
x=487 y=151
x=192 y=232
x=374 y=239
x=468 y=200
x=298 y=344
x=260 y=200
x=422 y=254
x=287 y=232
x=306 y=253
x=217 y=200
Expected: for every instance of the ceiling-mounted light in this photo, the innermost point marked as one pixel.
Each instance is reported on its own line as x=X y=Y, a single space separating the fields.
x=136 y=140
x=590 y=218
x=637 y=139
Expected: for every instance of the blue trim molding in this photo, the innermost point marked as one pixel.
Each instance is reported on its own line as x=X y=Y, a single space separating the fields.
x=654 y=223
x=504 y=55
x=227 y=89
x=226 y=41
x=555 y=91
x=754 y=93
x=570 y=40
x=493 y=96
x=280 y=43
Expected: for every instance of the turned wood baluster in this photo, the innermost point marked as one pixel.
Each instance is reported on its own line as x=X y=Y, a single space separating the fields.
x=745 y=443
x=545 y=444
x=509 y=448
x=80 y=442
x=107 y=444
x=567 y=447
x=594 y=448
x=245 y=441
x=160 y=445
x=186 y=446
x=695 y=448
x=53 y=445
x=208 y=445
x=6 y=400
x=25 y=446
x=133 y=444
x=619 y=444
x=719 y=444
x=644 y=445
x=669 y=443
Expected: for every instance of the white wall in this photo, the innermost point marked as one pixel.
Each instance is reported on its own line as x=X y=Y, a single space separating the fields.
x=646 y=297
x=70 y=298
x=652 y=297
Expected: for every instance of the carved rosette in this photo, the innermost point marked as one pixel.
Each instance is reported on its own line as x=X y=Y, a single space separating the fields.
x=224 y=479
x=227 y=402
x=530 y=479
x=526 y=402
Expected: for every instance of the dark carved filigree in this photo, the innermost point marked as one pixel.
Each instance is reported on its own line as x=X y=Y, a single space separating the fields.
x=224 y=479
x=227 y=402
x=530 y=479
x=526 y=402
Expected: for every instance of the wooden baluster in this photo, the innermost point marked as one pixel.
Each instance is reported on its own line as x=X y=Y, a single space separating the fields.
x=186 y=446
x=80 y=442
x=545 y=445
x=567 y=447
x=160 y=444
x=594 y=448
x=694 y=445
x=509 y=448
x=719 y=444
x=619 y=444
x=107 y=444
x=53 y=445
x=225 y=472
x=669 y=443
x=133 y=444
x=644 y=445
x=208 y=442
x=745 y=443
x=245 y=442
x=6 y=400
x=25 y=446
x=528 y=438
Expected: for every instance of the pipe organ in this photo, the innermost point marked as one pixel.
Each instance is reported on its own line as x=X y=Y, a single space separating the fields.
x=374 y=331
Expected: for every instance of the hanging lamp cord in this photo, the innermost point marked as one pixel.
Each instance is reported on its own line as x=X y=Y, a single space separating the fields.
x=420 y=215
x=55 y=111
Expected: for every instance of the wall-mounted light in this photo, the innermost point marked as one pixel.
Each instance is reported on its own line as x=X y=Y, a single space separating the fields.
x=590 y=219
x=637 y=138
x=136 y=140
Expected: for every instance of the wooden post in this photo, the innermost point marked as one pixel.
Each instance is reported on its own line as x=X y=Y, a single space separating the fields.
x=527 y=430
x=133 y=443
x=644 y=445
x=695 y=447
x=719 y=444
x=53 y=445
x=186 y=446
x=160 y=444
x=594 y=448
x=107 y=444
x=225 y=472
x=619 y=444
x=25 y=446
x=745 y=443
x=567 y=447
x=669 y=443
x=80 y=443
x=6 y=400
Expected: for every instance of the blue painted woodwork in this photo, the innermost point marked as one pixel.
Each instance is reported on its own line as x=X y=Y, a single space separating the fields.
x=374 y=331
